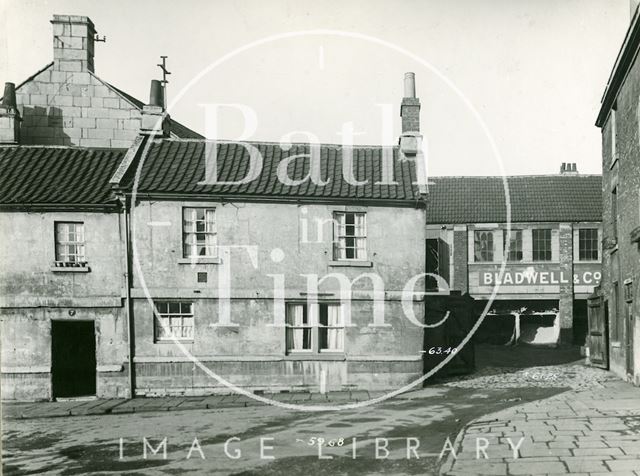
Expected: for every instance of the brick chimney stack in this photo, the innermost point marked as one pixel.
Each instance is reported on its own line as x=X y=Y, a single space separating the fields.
x=73 y=42
x=410 y=114
x=9 y=116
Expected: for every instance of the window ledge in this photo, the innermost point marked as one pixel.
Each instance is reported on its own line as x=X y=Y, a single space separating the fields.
x=315 y=356
x=200 y=261
x=70 y=269
x=171 y=341
x=351 y=263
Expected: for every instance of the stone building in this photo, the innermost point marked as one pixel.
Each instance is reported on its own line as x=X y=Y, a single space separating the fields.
x=63 y=133
x=61 y=312
x=553 y=261
x=279 y=334
x=281 y=283
x=176 y=285
x=620 y=288
x=66 y=103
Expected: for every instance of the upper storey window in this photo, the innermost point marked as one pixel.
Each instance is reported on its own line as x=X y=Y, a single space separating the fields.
x=199 y=236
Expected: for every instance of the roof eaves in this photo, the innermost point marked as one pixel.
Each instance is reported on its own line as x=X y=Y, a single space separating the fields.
x=626 y=56
x=112 y=207
x=268 y=143
x=130 y=99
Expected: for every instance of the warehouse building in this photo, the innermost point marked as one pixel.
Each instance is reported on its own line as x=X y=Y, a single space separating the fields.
x=553 y=257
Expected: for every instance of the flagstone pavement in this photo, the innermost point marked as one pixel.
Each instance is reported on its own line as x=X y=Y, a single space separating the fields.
x=590 y=431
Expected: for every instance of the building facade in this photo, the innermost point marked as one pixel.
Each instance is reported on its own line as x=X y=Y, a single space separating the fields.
x=620 y=289
x=277 y=288
x=63 y=134
x=170 y=284
x=62 y=275
x=551 y=250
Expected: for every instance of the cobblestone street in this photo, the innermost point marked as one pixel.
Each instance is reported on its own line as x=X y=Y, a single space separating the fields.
x=562 y=416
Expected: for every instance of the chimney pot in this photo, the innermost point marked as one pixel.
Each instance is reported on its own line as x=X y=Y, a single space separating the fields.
x=409 y=85
x=156 y=94
x=9 y=97
x=9 y=116
x=155 y=120
x=569 y=168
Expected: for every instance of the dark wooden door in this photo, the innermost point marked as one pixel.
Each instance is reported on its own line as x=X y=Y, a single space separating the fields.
x=444 y=339
x=73 y=358
x=598 y=315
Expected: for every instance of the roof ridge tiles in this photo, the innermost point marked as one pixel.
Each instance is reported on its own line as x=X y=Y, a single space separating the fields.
x=261 y=142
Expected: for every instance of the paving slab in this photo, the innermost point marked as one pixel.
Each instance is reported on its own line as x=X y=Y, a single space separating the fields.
x=595 y=438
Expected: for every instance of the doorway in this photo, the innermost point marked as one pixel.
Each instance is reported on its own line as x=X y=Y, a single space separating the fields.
x=73 y=358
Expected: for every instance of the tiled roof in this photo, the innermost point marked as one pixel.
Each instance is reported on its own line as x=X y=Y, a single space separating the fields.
x=176 y=167
x=56 y=176
x=534 y=198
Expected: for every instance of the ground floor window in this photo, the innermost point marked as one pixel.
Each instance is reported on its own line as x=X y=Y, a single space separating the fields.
x=173 y=319
x=315 y=327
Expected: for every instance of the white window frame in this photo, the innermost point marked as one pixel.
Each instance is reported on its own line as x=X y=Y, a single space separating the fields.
x=180 y=315
x=340 y=236
x=517 y=240
x=312 y=312
x=533 y=245
x=190 y=233
x=66 y=239
x=591 y=240
x=478 y=258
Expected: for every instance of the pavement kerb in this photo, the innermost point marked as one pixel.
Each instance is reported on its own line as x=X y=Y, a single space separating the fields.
x=447 y=466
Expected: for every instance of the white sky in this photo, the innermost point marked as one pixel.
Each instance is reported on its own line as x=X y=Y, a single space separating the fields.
x=535 y=70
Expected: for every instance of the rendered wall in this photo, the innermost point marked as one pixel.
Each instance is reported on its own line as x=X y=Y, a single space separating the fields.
x=33 y=293
x=252 y=355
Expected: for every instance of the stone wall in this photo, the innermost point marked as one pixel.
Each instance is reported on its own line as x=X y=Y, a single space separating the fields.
x=622 y=257
x=34 y=292
x=75 y=108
